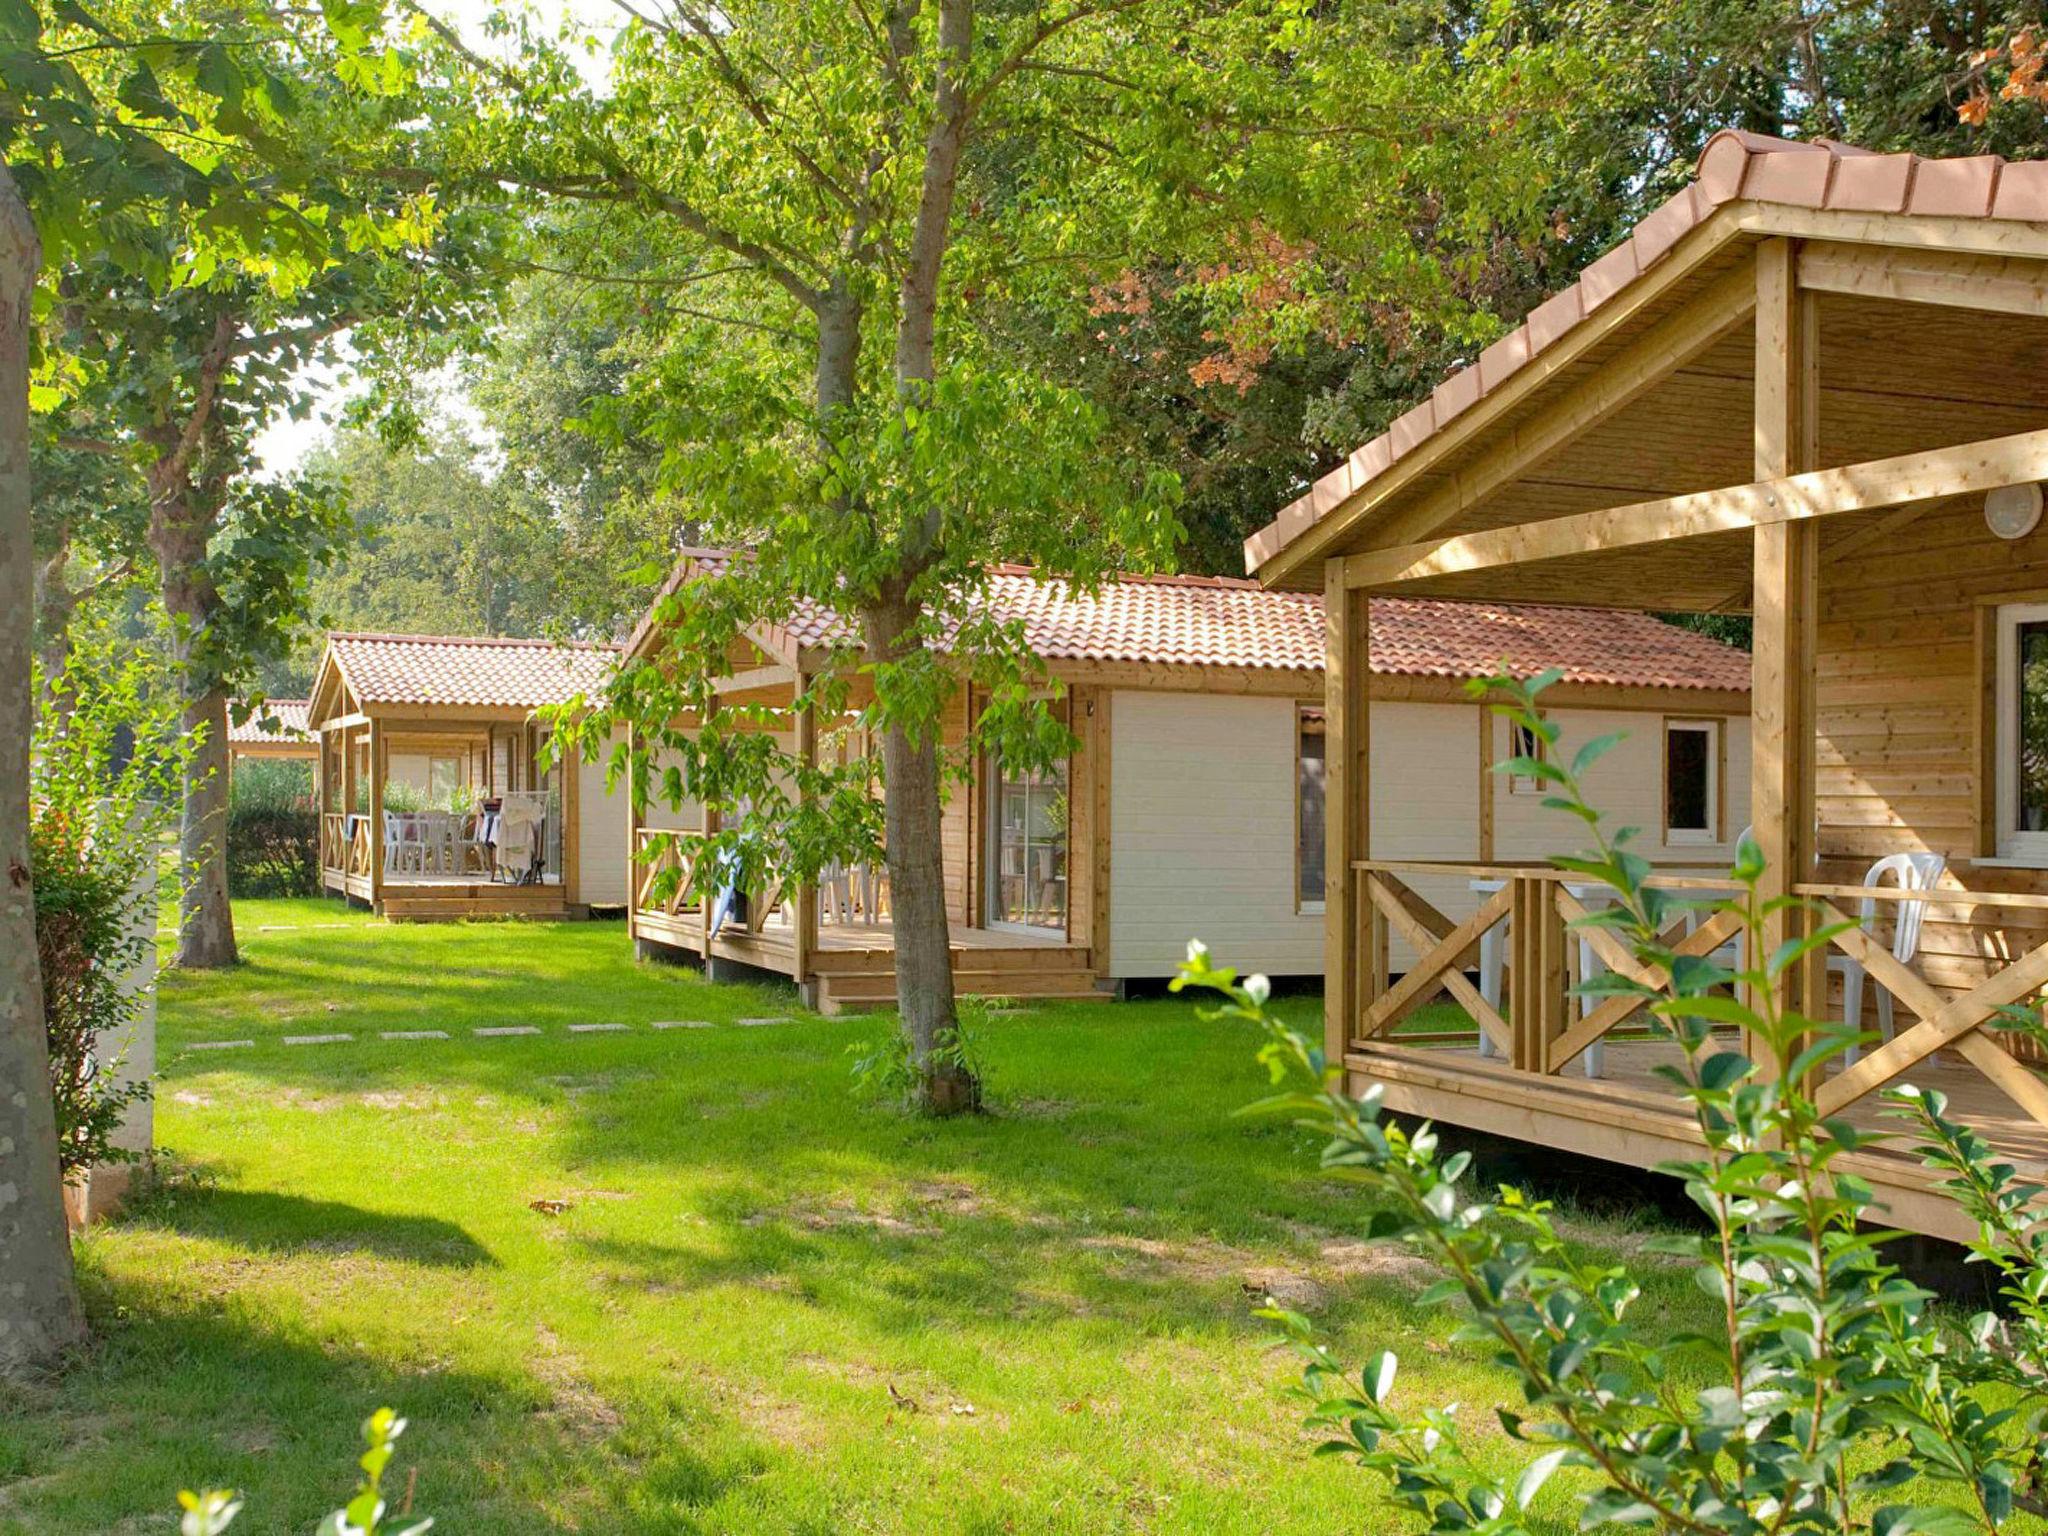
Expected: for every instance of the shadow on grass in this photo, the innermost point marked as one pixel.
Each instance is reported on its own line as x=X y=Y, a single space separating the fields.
x=263 y=1222
x=178 y=1391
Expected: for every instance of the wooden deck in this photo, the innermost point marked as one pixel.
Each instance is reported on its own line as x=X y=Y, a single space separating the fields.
x=448 y=898
x=1533 y=1087
x=853 y=964
x=1630 y=1115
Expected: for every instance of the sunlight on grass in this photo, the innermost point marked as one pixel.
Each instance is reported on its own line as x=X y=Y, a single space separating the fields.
x=763 y=1306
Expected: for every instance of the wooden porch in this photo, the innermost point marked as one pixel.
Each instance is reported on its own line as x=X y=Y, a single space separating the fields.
x=843 y=965
x=1542 y=1065
x=1829 y=418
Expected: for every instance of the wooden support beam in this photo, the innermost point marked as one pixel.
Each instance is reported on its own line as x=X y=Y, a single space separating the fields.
x=803 y=913
x=635 y=878
x=1347 y=814
x=1786 y=598
x=1934 y=475
x=2005 y=285
x=775 y=675
x=378 y=765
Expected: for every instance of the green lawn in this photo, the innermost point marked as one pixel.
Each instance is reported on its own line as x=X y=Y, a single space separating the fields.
x=767 y=1307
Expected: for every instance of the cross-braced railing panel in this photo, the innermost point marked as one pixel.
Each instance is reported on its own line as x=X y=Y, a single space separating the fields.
x=1956 y=1020
x=1442 y=949
x=659 y=854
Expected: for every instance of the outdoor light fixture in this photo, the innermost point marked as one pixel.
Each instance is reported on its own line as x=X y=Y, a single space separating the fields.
x=2011 y=511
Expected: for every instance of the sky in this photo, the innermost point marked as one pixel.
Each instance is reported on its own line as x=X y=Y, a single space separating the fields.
x=283 y=445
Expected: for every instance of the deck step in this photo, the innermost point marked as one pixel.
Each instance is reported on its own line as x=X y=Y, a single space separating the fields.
x=846 y=992
x=419 y=909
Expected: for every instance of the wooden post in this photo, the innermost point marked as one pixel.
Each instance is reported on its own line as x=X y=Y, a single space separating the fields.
x=322 y=799
x=1347 y=813
x=709 y=820
x=803 y=916
x=1785 y=603
x=570 y=766
x=633 y=865
x=376 y=814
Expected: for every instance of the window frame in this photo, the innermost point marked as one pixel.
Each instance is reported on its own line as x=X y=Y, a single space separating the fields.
x=1715 y=730
x=2008 y=841
x=1309 y=906
x=1537 y=749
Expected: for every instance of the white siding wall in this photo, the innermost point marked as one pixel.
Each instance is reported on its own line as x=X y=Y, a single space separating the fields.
x=1202 y=825
x=1627 y=784
x=1425 y=799
x=600 y=835
x=1202 y=817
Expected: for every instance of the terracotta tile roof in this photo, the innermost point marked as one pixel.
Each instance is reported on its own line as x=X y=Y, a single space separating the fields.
x=453 y=669
x=1427 y=637
x=1221 y=621
x=1735 y=166
x=278 y=720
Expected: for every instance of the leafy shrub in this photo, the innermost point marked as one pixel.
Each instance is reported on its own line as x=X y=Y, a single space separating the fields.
x=210 y=1513
x=106 y=758
x=885 y=1069
x=1831 y=1383
x=273 y=830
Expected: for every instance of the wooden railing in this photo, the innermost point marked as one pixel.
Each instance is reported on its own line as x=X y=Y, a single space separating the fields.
x=1946 y=1018
x=333 y=841
x=362 y=848
x=1533 y=1021
x=1540 y=1028
x=656 y=854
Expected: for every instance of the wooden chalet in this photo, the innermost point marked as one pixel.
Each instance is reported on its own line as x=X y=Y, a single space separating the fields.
x=454 y=719
x=277 y=729
x=1194 y=803
x=1812 y=387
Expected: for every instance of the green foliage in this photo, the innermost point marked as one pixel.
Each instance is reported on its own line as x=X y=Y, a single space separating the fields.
x=273 y=829
x=210 y=1513
x=1832 y=1384
x=885 y=1070
x=105 y=754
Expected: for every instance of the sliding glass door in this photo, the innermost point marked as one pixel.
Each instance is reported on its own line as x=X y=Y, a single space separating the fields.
x=1027 y=848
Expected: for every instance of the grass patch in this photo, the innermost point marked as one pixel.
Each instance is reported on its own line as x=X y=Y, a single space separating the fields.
x=684 y=1281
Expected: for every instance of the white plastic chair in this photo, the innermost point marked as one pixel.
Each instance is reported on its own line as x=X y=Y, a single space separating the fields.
x=835 y=893
x=1913 y=872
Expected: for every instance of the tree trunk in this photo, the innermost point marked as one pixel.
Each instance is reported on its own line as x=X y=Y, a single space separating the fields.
x=206 y=922
x=39 y=1313
x=917 y=892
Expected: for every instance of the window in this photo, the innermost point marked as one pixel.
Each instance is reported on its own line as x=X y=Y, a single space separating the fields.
x=1692 y=781
x=2022 y=732
x=1524 y=742
x=1309 y=766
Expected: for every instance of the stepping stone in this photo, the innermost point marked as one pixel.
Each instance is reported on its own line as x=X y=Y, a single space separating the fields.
x=507 y=1029
x=597 y=1029
x=316 y=1039
x=414 y=1034
x=220 y=1045
x=277 y=927
x=681 y=1024
x=760 y=1023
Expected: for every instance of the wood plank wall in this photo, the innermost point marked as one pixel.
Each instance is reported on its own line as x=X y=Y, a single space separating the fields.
x=1899 y=695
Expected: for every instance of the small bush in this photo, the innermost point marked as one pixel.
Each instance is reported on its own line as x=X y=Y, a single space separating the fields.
x=273 y=831
x=212 y=1512
x=106 y=757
